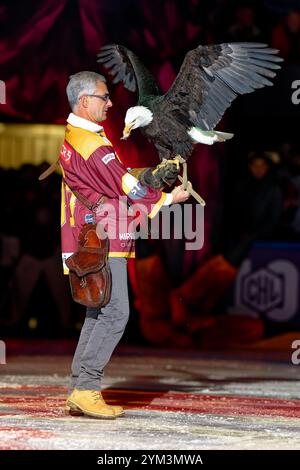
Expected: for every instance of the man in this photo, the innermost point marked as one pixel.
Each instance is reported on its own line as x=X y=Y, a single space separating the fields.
x=92 y=169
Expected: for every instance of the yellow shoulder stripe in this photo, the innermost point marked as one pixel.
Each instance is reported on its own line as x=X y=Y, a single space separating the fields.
x=83 y=141
x=157 y=206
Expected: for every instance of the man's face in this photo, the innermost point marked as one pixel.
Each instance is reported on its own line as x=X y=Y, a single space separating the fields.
x=96 y=107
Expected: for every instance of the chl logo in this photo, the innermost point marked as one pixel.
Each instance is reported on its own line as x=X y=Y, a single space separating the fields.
x=272 y=290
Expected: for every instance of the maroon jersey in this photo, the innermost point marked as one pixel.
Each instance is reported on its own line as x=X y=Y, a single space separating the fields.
x=92 y=168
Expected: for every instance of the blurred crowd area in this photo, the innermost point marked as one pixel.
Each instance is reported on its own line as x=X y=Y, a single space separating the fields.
x=251 y=186
x=34 y=292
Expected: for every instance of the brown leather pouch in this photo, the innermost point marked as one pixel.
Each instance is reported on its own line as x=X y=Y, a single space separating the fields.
x=90 y=276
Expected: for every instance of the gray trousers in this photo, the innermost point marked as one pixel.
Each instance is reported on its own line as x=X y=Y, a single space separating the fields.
x=101 y=332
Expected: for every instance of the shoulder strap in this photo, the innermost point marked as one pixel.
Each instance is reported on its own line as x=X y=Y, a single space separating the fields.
x=85 y=201
x=49 y=170
x=79 y=196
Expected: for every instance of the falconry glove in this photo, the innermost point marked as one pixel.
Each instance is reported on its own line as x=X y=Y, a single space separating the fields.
x=165 y=173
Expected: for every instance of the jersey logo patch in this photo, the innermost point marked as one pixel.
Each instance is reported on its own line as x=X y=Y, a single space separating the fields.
x=65 y=153
x=108 y=158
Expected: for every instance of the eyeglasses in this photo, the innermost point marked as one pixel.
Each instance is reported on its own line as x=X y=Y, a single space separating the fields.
x=105 y=97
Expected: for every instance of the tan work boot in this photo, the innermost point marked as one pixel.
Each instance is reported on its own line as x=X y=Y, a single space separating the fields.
x=118 y=410
x=91 y=403
x=69 y=412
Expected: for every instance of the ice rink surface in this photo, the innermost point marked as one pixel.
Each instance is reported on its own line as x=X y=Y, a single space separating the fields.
x=174 y=401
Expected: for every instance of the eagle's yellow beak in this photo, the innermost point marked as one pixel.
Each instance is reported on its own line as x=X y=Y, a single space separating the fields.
x=126 y=131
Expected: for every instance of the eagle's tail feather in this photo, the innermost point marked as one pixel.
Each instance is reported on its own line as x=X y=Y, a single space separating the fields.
x=208 y=137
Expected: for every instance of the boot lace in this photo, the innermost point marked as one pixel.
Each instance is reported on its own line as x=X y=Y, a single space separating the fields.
x=97 y=396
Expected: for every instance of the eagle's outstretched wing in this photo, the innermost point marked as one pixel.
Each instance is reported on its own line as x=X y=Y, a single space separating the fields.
x=125 y=66
x=211 y=77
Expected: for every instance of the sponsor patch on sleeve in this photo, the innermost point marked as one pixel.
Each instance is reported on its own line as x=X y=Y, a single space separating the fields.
x=107 y=158
x=132 y=187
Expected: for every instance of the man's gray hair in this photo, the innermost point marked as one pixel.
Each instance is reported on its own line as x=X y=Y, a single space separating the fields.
x=82 y=83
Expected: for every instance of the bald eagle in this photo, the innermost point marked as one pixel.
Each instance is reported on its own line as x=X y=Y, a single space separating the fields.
x=210 y=78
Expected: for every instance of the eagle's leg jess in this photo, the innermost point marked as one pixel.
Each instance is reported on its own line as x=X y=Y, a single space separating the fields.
x=181 y=160
x=166 y=173
x=187 y=185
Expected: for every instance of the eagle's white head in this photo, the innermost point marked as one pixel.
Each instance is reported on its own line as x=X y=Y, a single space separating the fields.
x=137 y=116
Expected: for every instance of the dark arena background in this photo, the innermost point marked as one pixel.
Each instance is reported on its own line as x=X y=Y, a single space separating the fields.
x=210 y=359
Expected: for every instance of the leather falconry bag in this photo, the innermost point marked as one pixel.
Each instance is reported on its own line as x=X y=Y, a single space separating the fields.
x=90 y=276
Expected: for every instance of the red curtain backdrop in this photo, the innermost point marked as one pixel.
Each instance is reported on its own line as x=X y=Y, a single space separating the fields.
x=43 y=43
